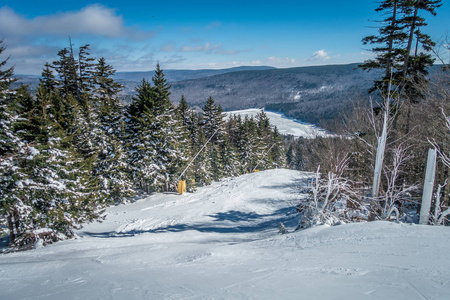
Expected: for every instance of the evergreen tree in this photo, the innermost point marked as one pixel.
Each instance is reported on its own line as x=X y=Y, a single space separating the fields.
x=161 y=91
x=66 y=68
x=248 y=147
x=213 y=121
x=170 y=136
x=56 y=185
x=388 y=46
x=11 y=151
x=106 y=87
x=214 y=130
x=229 y=159
x=264 y=140
x=277 y=151
x=86 y=67
x=184 y=112
x=143 y=101
x=415 y=63
x=393 y=46
x=111 y=166
x=202 y=167
x=159 y=145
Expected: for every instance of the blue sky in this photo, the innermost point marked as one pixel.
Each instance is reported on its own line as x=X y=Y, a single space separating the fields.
x=134 y=35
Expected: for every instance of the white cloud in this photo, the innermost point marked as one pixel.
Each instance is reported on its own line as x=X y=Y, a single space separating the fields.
x=27 y=51
x=320 y=55
x=201 y=48
x=94 y=20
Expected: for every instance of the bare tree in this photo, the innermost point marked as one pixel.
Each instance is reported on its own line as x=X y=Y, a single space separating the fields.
x=331 y=200
x=396 y=194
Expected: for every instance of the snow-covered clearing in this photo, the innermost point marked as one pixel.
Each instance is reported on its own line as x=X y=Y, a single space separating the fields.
x=222 y=243
x=285 y=125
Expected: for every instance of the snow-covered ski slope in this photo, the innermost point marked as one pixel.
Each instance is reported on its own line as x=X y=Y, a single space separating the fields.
x=285 y=125
x=222 y=243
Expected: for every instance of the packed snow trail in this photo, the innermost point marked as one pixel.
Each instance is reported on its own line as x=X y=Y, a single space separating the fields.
x=222 y=243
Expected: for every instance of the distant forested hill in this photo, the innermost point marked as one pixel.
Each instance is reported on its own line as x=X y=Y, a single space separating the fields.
x=310 y=94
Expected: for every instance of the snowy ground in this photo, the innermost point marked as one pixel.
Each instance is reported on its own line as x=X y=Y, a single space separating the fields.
x=222 y=243
x=285 y=125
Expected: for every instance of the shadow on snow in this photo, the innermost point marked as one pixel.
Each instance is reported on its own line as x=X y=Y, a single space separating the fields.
x=241 y=222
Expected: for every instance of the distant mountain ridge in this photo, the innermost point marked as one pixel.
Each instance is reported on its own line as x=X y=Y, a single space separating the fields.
x=310 y=94
x=178 y=75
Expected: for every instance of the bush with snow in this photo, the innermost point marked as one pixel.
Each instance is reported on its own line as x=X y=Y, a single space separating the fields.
x=331 y=200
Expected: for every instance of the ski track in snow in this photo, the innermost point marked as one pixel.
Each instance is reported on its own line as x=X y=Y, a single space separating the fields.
x=222 y=243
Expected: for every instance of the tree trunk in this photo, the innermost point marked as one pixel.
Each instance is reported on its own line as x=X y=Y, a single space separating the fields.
x=391 y=41
x=410 y=40
x=17 y=220
x=12 y=236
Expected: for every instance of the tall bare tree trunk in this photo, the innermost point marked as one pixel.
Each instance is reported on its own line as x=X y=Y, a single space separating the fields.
x=391 y=40
x=410 y=41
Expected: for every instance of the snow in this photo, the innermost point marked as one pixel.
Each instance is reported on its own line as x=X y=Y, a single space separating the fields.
x=222 y=242
x=33 y=152
x=285 y=125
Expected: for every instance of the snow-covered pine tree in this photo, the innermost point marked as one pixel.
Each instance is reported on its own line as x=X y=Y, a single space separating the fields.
x=195 y=136
x=234 y=126
x=160 y=91
x=97 y=128
x=56 y=185
x=140 y=150
x=170 y=136
x=229 y=159
x=214 y=129
x=248 y=147
x=66 y=67
x=213 y=121
x=202 y=166
x=11 y=146
x=159 y=144
x=264 y=141
x=183 y=112
x=111 y=166
x=277 y=151
x=86 y=70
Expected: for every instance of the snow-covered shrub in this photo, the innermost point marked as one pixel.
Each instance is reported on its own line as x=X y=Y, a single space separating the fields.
x=391 y=202
x=282 y=229
x=440 y=212
x=331 y=200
